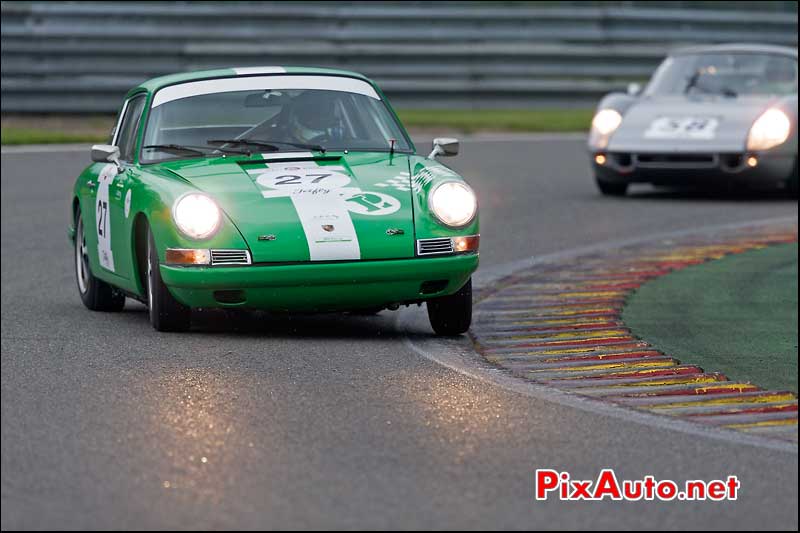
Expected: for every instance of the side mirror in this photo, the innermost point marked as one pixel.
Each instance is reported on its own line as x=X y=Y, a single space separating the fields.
x=105 y=153
x=444 y=146
x=634 y=89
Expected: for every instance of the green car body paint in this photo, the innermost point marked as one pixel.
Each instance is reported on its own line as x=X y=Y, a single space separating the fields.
x=282 y=189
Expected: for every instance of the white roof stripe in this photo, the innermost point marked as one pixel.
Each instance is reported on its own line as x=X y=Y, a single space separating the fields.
x=254 y=83
x=259 y=70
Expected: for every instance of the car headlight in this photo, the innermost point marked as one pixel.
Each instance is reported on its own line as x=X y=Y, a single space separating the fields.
x=606 y=121
x=453 y=203
x=196 y=215
x=769 y=130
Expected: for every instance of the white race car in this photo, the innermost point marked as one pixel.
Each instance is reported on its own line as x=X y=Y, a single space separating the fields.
x=719 y=114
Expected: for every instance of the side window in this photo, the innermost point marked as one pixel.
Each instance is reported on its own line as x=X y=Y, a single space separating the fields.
x=126 y=138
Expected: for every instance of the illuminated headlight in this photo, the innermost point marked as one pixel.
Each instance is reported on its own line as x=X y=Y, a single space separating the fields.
x=606 y=121
x=196 y=215
x=769 y=130
x=453 y=203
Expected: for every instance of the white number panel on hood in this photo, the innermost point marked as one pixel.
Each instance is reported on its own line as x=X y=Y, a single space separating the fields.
x=704 y=128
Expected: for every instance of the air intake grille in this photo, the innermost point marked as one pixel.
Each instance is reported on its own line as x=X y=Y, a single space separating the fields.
x=230 y=257
x=434 y=246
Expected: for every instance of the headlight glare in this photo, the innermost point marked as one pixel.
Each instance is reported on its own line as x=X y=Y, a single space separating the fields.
x=606 y=121
x=769 y=130
x=453 y=203
x=196 y=215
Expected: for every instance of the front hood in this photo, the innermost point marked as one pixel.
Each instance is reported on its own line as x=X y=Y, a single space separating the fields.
x=294 y=207
x=678 y=123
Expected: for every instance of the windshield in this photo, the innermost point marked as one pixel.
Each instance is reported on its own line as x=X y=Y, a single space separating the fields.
x=268 y=120
x=726 y=74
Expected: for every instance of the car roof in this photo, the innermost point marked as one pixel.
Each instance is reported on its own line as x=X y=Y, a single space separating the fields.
x=751 y=48
x=154 y=84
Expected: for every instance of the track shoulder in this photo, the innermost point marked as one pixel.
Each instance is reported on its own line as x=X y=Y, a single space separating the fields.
x=551 y=327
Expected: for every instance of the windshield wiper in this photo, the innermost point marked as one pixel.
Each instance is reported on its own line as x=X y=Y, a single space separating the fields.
x=173 y=148
x=268 y=144
x=199 y=150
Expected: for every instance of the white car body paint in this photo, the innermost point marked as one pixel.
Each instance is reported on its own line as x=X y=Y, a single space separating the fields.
x=699 y=128
x=323 y=200
x=259 y=70
x=102 y=220
x=128 y=203
x=318 y=205
x=256 y=83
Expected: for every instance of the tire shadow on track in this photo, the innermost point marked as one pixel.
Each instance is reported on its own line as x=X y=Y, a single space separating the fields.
x=711 y=195
x=257 y=324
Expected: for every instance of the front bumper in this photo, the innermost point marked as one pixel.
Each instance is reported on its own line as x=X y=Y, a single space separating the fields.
x=334 y=286
x=693 y=169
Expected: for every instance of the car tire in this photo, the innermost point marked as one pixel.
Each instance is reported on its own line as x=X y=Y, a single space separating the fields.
x=367 y=311
x=166 y=313
x=610 y=188
x=452 y=315
x=791 y=181
x=95 y=294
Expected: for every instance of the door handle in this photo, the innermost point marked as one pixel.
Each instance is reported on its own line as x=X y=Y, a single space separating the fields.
x=91 y=184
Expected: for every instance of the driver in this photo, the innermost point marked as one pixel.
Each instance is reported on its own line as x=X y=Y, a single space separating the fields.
x=313 y=118
x=779 y=77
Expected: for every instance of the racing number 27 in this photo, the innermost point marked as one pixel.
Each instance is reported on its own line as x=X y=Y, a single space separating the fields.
x=102 y=218
x=296 y=180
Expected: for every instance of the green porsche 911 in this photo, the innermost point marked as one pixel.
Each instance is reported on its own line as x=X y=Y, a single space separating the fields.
x=280 y=189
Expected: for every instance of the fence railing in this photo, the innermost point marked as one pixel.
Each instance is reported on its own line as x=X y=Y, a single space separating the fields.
x=83 y=56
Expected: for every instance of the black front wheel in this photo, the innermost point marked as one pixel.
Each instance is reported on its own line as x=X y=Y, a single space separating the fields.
x=166 y=313
x=610 y=188
x=791 y=181
x=452 y=315
x=96 y=294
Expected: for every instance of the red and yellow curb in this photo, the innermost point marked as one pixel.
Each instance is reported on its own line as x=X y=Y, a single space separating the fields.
x=560 y=324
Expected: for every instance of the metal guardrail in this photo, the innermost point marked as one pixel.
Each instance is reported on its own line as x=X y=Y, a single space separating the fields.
x=83 y=56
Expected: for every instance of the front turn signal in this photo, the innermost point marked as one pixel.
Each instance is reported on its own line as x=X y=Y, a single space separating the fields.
x=466 y=244
x=187 y=256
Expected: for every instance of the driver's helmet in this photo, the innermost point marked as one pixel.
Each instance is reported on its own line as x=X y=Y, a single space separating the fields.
x=313 y=114
x=776 y=71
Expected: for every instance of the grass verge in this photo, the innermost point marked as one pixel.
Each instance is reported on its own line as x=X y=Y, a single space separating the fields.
x=47 y=129
x=32 y=129
x=517 y=120
x=736 y=315
x=36 y=136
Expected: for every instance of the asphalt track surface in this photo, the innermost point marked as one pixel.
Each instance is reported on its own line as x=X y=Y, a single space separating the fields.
x=334 y=421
